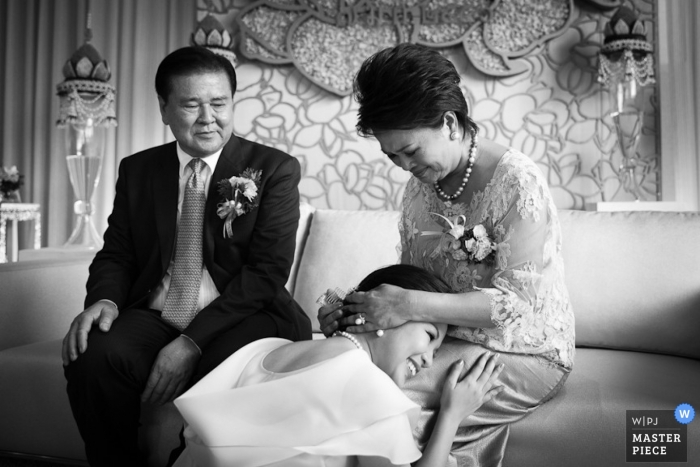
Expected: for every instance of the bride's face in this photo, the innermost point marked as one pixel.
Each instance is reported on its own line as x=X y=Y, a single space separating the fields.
x=404 y=351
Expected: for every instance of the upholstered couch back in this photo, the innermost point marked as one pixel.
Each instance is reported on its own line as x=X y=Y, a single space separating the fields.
x=633 y=277
x=339 y=248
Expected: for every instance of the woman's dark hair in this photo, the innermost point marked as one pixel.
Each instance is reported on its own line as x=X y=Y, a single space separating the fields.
x=406 y=87
x=406 y=277
x=191 y=61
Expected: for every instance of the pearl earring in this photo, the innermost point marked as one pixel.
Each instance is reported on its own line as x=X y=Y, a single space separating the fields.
x=453 y=135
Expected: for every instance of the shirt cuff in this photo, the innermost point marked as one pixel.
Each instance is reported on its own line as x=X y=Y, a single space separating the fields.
x=193 y=342
x=109 y=301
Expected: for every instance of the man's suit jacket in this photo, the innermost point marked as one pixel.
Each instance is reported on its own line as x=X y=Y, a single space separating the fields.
x=249 y=269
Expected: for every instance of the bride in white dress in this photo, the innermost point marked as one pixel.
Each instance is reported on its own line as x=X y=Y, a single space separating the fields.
x=331 y=402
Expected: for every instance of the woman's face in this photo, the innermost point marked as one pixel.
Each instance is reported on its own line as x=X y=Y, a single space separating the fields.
x=428 y=153
x=408 y=349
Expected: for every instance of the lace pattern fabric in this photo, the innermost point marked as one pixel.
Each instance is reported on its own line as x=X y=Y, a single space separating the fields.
x=530 y=305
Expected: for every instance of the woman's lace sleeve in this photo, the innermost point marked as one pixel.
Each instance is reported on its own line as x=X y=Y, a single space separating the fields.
x=525 y=293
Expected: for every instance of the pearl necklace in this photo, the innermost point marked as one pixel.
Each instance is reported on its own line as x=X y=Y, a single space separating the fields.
x=467 y=173
x=350 y=337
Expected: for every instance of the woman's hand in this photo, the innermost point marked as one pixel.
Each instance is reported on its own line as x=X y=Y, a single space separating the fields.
x=328 y=316
x=383 y=307
x=463 y=395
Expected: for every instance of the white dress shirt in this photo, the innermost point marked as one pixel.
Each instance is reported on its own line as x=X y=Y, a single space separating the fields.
x=207 y=288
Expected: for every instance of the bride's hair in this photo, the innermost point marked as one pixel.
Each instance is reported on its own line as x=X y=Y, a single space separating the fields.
x=406 y=277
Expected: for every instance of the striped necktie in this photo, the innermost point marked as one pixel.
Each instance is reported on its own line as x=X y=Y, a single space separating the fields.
x=181 y=300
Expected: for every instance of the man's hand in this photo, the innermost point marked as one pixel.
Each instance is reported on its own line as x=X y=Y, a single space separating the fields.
x=171 y=371
x=101 y=314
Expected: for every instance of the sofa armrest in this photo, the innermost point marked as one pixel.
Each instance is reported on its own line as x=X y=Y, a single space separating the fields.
x=40 y=298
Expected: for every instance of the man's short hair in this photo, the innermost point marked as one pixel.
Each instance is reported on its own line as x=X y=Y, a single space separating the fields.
x=191 y=61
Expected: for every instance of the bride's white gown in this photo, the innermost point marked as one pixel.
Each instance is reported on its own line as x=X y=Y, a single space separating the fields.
x=343 y=411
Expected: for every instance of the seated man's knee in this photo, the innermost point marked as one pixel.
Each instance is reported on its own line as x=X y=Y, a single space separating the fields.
x=105 y=353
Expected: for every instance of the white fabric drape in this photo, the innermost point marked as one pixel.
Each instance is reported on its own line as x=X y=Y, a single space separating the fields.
x=36 y=38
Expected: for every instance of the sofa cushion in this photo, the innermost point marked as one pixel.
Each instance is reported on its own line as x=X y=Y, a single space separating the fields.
x=587 y=419
x=634 y=279
x=341 y=249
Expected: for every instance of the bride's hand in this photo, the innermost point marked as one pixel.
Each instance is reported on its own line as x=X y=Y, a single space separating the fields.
x=463 y=395
x=383 y=307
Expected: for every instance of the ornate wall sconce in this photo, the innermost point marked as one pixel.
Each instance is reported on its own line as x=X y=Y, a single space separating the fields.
x=87 y=108
x=625 y=67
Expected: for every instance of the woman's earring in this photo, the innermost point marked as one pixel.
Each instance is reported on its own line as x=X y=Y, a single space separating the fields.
x=453 y=135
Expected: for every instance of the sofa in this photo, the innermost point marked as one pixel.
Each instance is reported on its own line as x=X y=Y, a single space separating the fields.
x=633 y=278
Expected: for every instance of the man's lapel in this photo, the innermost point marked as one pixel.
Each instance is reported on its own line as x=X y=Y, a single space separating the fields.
x=165 y=190
x=230 y=163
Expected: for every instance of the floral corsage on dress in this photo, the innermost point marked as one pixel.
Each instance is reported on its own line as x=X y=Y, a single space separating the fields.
x=240 y=197
x=475 y=244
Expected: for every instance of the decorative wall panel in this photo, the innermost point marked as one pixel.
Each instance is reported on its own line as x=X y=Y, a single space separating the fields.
x=328 y=41
x=529 y=76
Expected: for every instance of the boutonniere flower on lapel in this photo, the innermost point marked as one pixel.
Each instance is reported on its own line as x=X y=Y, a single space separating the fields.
x=240 y=197
x=473 y=244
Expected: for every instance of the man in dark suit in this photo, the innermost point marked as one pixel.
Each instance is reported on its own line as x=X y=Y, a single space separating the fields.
x=171 y=295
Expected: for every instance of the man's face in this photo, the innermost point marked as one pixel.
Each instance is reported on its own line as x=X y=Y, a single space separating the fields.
x=199 y=111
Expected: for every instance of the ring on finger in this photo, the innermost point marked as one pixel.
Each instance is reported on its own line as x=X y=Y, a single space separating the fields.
x=360 y=321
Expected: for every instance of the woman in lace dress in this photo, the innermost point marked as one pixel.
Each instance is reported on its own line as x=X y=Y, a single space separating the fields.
x=331 y=402
x=481 y=217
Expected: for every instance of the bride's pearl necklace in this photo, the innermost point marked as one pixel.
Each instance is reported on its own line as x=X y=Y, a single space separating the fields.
x=349 y=337
x=467 y=173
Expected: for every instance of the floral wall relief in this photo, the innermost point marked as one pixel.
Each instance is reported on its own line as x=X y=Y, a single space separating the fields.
x=277 y=106
x=553 y=110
